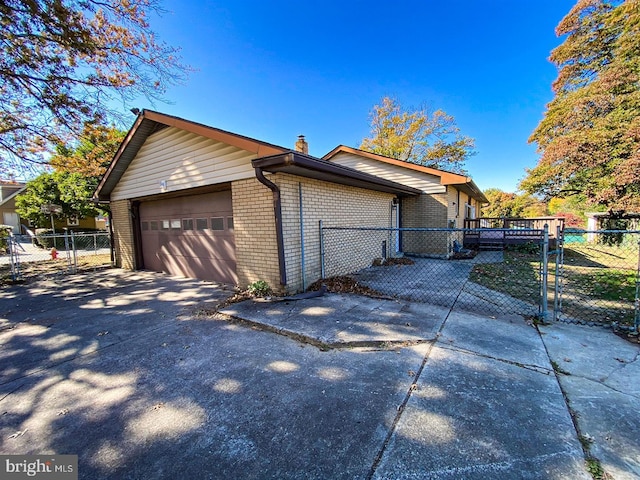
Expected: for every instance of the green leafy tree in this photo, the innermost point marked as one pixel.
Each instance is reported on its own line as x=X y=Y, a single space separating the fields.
x=505 y=204
x=418 y=136
x=72 y=191
x=65 y=63
x=589 y=138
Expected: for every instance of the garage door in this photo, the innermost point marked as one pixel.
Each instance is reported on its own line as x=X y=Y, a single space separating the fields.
x=190 y=236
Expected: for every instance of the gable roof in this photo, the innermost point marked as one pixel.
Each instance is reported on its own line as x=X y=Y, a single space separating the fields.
x=149 y=122
x=20 y=187
x=462 y=182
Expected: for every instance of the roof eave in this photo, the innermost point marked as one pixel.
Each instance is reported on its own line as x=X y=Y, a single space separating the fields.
x=147 y=122
x=303 y=165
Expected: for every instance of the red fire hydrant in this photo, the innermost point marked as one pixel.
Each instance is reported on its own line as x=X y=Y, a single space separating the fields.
x=54 y=253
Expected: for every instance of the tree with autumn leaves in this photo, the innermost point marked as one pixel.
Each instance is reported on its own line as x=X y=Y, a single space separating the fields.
x=66 y=64
x=64 y=67
x=420 y=136
x=77 y=169
x=589 y=138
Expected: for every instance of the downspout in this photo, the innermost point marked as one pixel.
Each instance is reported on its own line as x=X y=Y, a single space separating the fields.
x=277 y=210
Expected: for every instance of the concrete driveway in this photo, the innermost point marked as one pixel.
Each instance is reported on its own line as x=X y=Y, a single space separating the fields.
x=128 y=371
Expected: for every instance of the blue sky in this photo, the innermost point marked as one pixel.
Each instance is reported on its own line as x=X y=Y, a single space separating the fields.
x=275 y=69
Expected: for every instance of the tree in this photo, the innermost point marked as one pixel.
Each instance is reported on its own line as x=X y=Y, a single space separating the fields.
x=504 y=204
x=418 y=136
x=65 y=63
x=71 y=191
x=589 y=138
x=91 y=154
x=77 y=170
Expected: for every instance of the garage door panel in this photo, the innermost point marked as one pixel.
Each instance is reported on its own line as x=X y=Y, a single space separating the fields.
x=179 y=236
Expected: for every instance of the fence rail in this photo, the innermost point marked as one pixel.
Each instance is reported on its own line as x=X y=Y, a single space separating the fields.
x=69 y=252
x=577 y=276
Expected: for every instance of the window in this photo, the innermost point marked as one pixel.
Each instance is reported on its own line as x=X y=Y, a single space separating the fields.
x=164 y=225
x=145 y=226
x=201 y=223
x=187 y=224
x=72 y=221
x=153 y=225
x=230 y=223
x=217 y=223
x=175 y=224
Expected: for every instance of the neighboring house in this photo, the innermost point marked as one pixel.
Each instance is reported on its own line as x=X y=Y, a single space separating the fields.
x=8 y=193
x=79 y=223
x=197 y=201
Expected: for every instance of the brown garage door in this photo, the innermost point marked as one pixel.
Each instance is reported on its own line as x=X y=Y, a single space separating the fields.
x=190 y=236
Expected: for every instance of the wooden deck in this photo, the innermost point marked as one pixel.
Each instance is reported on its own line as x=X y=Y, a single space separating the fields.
x=496 y=233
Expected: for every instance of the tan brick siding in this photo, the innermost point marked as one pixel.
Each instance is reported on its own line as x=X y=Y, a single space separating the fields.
x=425 y=211
x=123 y=234
x=255 y=233
x=335 y=205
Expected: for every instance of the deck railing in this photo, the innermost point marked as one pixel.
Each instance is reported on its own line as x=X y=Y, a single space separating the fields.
x=514 y=223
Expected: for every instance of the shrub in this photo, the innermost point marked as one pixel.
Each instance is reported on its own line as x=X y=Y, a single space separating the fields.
x=259 y=288
x=5 y=231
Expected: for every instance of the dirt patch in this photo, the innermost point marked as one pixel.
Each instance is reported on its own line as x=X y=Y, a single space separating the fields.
x=344 y=284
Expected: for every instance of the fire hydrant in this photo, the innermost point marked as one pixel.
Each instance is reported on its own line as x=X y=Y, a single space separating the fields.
x=54 y=253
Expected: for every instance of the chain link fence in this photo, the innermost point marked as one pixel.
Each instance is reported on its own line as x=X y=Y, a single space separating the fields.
x=444 y=267
x=579 y=276
x=54 y=254
x=597 y=277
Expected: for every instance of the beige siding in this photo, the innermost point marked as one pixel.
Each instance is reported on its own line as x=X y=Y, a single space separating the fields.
x=423 y=181
x=255 y=233
x=183 y=160
x=123 y=234
x=336 y=205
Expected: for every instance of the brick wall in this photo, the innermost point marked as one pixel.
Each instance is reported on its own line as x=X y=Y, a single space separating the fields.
x=336 y=205
x=255 y=233
x=426 y=211
x=123 y=234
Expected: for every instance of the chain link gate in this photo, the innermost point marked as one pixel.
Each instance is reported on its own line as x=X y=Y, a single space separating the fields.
x=597 y=278
x=30 y=256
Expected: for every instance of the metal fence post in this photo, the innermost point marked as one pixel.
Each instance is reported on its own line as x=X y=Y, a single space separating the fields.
x=321 y=250
x=13 y=257
x=545 y=274
x=75 y=252
x=559 y=259
x=67 y=249
x=636 y=314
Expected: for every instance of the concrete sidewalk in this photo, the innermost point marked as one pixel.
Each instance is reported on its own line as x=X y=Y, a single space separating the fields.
x=484 y=402
x=601 y=378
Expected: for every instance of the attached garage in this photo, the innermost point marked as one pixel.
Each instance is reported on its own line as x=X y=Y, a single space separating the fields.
x=189 y=236
x=195 y=201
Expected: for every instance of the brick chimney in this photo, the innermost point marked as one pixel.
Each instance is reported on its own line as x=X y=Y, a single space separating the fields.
x=301 y=145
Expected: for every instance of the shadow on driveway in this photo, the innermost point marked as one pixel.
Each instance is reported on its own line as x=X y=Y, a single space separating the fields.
x=125 y=370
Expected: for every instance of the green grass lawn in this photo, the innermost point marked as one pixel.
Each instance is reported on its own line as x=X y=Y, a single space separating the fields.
x=598 y=282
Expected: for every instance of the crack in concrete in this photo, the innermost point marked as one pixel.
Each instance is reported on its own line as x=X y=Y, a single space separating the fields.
x=527 y=366
x=604 y=384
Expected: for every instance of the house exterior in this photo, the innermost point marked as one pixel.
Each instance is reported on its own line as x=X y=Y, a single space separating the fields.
x=197 y=201
x=446 y=199
x=8 y=214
